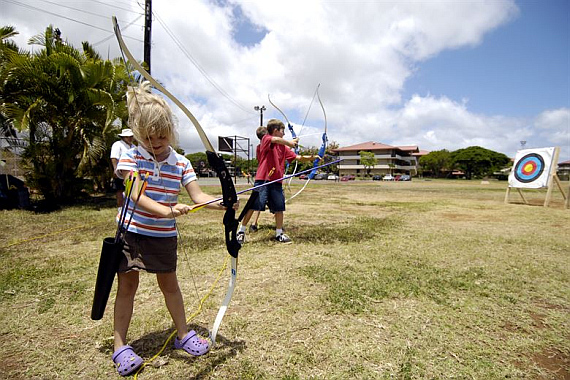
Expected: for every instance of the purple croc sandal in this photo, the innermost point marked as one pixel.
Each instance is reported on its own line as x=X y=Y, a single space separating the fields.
x=192 y=344
x=126 y=360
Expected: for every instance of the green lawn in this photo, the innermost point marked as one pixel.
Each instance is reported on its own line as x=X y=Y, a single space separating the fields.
x=384 y=280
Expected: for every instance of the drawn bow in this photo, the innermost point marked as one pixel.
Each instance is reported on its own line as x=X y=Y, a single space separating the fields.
x=217 y=163
x=322 y=149
x=293 y=134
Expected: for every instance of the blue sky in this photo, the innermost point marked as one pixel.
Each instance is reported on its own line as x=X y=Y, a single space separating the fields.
x=436 y=74
x=520 y=69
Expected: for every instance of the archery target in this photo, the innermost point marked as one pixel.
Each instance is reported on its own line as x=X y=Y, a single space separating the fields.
x=531 y=168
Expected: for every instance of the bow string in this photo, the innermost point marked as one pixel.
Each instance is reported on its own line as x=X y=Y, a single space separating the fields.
x=321 y=152
x=293 y=134
x=217 y=163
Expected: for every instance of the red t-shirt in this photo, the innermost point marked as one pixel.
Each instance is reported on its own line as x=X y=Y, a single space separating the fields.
x=272 y=157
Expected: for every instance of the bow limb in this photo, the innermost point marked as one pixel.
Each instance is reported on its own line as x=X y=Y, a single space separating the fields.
x=217 y=163
x=323 y=148
x=321 y=152
x=289 y=125
x=279 y=109
x=214 y=159
x=161 y=88
x=293 y=134
x=225 y=302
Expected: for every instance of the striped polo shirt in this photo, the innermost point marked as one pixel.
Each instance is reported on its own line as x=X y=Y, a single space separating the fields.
x=164 y=181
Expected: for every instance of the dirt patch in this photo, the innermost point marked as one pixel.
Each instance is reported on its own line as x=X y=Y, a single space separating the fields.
x=555 y=361
x=10 y=368
x=538 y=320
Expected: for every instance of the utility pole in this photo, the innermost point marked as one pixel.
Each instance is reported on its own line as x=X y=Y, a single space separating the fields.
x=260 y=109
x=147 y=31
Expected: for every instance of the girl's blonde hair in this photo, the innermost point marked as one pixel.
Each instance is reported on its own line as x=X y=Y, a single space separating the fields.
x=149 y=114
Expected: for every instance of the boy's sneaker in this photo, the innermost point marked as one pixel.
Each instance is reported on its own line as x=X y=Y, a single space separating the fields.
x=253 y=228
x=240 y=237
x=283 y=239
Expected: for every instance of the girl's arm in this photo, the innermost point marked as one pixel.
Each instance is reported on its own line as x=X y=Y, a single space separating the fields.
x=151 y=206
x=198 y=196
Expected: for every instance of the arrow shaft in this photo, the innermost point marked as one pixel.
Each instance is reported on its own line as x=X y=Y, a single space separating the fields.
x=198 y=206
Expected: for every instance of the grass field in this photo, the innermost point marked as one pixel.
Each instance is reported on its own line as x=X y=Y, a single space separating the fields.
x=391 y=280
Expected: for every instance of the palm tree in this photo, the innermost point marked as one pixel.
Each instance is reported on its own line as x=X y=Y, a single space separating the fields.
x=67 y=101
x=7 y=48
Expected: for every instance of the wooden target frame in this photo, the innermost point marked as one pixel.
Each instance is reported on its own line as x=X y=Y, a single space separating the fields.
x=532 y=171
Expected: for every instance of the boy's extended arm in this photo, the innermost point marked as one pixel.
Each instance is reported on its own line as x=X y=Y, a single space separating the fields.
x=290 y=143
x=306 y=158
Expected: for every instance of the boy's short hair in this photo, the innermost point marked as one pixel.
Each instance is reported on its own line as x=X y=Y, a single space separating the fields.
x=274 y=124
x=260 y=132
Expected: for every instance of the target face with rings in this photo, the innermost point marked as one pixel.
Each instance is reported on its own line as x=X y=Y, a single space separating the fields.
x=529 y=168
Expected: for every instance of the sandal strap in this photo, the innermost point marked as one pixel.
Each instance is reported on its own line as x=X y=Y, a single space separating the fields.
x=121 y=350
x=188 y=336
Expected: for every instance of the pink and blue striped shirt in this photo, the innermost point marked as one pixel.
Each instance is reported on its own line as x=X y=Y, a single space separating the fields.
x=165 y=179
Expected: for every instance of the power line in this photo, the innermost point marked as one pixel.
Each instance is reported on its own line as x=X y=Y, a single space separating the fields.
x=244 y=120
x=113 y=34
x=197 y=65
x=64 y=17
x=106 y=17
x=114 y=6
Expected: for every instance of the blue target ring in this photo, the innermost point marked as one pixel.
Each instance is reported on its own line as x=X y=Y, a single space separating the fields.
x=529 y=168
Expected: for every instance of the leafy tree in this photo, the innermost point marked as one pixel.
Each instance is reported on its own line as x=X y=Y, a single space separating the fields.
x=7 y=49
x=66 y=101
x=478 y=162
x=436 y=162
x=368 y=160
x=197 y=158
x=312 y=150
x=331 y=155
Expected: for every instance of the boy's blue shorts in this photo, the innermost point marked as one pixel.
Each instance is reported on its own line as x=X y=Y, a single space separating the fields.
x=272 y=195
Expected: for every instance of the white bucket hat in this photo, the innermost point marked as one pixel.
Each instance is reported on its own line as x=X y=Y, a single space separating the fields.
x=126 y=133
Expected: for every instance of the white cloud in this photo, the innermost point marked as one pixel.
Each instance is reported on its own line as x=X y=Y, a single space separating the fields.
x=440 y=123
x=361 y=53
x=554 y=129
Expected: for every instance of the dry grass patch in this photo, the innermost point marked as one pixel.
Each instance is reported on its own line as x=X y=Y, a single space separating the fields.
x=426 y=279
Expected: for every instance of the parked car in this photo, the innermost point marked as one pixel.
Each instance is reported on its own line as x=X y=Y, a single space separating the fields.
x=349 y=177
x=332 y=177
x=320 y=176
x=388 y=177
x=377 y=177
x=397 y=178
x=303 y=176
x=405 y=177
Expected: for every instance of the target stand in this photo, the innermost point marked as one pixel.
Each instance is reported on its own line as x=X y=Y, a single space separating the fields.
x=536 y=169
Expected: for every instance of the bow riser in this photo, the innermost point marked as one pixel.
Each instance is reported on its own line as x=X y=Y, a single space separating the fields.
x=228 y=189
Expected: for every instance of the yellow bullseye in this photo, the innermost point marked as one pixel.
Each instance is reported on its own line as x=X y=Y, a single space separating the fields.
x=528 y=168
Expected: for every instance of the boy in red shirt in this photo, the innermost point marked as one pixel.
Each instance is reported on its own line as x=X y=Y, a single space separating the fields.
x=274 y=150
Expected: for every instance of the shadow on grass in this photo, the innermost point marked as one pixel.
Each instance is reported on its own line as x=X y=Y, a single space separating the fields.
x=150 y=344
x=357 y=229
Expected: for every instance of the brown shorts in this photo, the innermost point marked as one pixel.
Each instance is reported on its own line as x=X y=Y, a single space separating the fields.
x=152 y=254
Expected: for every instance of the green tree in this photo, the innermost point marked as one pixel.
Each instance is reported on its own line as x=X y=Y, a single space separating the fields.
x=7 y=49
x=368 y=160
x=478 y=162
x=66 y=101
x=436 y=162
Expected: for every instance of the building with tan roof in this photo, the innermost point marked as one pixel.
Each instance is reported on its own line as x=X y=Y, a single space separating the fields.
x=391 y=159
